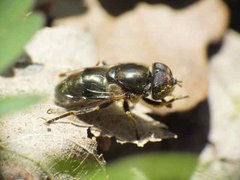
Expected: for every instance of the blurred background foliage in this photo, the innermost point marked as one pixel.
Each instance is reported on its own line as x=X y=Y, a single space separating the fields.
x=17 y=28
x=17 y=25
x=11 y=104
x=152 y=166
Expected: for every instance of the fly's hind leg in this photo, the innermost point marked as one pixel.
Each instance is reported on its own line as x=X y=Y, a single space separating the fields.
x=131 y=118
x=70 y=113
x=77 y=112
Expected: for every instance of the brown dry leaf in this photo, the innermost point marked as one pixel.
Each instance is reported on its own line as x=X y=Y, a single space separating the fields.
x=178 y=38
x=29 y=148
x=113 y=122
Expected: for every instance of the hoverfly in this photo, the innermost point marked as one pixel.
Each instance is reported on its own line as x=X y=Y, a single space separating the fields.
x=94 y=88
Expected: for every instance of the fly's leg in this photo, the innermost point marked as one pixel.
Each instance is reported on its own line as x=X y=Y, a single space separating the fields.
x=131 y=118
x=169 y=102
x=163 y=102
x=174 y=98
x=73 y=112
x=75 y=123
x=101 y=63
x=78 y=112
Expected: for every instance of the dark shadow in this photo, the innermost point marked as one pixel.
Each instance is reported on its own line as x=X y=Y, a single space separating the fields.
x=68 y=9
x=45 y=8
x=234 y=6
x=214 y=48
x=23 y=61
x=192 y=128
x=8 y=73
x=118 y=7
x=176 y=4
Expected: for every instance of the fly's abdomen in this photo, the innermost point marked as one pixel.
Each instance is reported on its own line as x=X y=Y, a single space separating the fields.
x=95 y=83
x=69 y=92
x=82 y=87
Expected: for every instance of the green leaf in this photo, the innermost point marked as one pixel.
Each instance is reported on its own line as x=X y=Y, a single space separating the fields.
x=11 y=10
x=12 y=103
x=17 y=26
x=153 y=166
x=85 y=166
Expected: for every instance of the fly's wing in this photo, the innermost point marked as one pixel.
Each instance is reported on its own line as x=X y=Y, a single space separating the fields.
x=84 y=106
x=100 y=101
x=66 y=73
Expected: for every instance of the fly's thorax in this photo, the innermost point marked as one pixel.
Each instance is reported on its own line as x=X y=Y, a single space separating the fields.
x=133 y=98
x=132 y=78
x=115 y=89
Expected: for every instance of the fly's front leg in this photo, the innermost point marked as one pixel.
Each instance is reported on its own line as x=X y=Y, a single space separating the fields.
x=163 y=102
x=173 y=98
x=130 y=116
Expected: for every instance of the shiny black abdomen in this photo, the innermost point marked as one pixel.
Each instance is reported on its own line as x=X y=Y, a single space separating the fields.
x=132 y=78
x=81 y=87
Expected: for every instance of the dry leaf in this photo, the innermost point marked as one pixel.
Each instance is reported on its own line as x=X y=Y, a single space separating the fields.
x=178 y=38
x=114 y=122
x=221 y=158
x=29 y=148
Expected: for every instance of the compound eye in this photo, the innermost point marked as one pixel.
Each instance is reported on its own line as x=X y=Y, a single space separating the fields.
x=162 y=82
